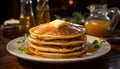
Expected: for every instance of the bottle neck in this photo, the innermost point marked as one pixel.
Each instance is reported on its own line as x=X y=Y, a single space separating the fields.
x=26 y=8
x=42 y=5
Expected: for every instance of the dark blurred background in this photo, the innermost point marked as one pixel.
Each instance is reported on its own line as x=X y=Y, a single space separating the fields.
x=64 y=8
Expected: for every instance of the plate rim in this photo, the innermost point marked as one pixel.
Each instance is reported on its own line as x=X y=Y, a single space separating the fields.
x=47 y=60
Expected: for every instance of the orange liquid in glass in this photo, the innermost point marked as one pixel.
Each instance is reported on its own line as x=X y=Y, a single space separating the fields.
x=97 y=28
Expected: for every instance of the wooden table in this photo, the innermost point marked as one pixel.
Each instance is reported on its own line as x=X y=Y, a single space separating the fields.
x=109 y=61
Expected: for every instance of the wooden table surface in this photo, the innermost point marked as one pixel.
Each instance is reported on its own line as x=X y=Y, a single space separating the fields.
x=109 y=61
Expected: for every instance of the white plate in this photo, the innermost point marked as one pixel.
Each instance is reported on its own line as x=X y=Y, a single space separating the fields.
x=13 y=46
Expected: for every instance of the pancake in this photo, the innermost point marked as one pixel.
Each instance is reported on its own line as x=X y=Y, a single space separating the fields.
x=62 y=43
x=57 y=40
x=75 y=54
x=44 y=31
x=52 y=48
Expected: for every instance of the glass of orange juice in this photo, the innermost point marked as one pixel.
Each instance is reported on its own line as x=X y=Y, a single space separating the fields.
x=97 y=28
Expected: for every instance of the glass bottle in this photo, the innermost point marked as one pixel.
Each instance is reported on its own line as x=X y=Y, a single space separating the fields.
x=27 y=19
x=43 y=14
x=98 y=23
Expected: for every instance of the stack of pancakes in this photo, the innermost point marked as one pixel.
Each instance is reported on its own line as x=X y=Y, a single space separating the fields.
x=63 y=42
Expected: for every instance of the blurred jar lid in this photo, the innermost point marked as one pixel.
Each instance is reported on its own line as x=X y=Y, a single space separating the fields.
x=11 y=21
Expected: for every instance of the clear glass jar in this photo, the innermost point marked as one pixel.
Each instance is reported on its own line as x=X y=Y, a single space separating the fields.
x=27 y=19
x=43 y=14
x=98 y=23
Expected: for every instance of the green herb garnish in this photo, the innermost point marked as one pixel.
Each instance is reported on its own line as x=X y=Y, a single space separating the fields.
x=22 y=49
x=78 y=15
x=22 y=40
x=97 y=43
x=25 y=36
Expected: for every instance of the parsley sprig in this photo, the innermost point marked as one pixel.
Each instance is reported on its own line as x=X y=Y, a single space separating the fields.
x=22 y=48
x=22 y=40
x=97 y=43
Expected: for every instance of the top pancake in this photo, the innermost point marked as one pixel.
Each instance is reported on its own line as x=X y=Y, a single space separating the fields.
x=46 y=31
